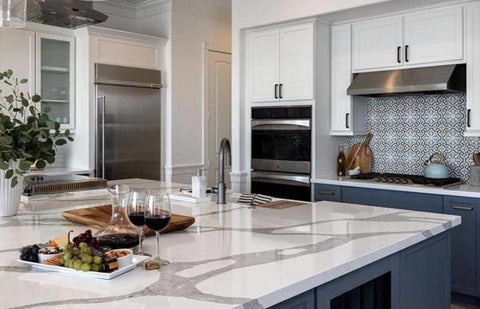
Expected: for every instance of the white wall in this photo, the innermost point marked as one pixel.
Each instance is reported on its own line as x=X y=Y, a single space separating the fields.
x=194 y=22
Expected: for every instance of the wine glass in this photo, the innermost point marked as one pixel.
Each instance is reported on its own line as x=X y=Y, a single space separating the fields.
x=136 y=213
x=157 y=218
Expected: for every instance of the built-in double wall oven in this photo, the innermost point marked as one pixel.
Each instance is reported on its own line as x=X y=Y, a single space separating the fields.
x=282 y=151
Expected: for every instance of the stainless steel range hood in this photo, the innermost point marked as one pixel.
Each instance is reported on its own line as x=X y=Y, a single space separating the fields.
x=437 y=79
x=63 y=13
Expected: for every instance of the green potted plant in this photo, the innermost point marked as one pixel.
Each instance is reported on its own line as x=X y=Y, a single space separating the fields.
x=27 y=137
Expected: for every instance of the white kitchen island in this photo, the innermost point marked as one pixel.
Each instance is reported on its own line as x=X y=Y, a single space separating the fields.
x=241 y=257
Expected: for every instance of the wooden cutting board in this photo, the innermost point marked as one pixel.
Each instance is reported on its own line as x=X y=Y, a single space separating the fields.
x=362 y=156
x=98 y=217
x=281 y=204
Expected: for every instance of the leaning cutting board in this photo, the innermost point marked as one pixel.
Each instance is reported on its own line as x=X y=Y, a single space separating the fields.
x=98 y=217
x=361 y=154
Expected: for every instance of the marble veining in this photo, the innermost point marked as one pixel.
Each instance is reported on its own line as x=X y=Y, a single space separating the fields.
x=233 y=257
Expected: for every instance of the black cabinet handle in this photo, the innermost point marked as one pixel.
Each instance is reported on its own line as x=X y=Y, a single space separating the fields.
x=406 y=53
x=399 y=48
x=276 y=91
x=462 y=207
x=469 y=111
x=347 y=120
x=326 y=192
x=281 y=91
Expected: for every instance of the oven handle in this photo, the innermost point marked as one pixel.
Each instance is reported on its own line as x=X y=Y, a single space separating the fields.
x=288 y=124
x=296 y=180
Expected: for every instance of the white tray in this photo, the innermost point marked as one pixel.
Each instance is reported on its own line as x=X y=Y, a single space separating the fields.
x=88 y=274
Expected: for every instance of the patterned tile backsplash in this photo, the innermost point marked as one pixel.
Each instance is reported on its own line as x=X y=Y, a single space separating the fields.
x=408 y=129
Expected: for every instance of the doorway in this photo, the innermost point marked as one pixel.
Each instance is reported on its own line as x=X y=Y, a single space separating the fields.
x=218 y=110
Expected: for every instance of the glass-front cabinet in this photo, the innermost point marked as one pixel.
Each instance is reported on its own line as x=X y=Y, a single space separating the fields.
x=55 y=77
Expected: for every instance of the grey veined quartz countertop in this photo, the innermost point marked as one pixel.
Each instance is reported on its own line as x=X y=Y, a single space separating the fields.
x=233 y=256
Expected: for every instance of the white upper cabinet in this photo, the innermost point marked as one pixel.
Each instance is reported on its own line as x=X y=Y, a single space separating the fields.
x=55 y=66
x=296 y=62
x=427 y=37
x=18 y=54
x=280 y=64
x=435 y=35
x=347 y=113
x=377 y=44
x=473 y=69
x=263 y=63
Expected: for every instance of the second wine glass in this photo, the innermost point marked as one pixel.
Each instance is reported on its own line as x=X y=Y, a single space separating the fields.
x=157 y=218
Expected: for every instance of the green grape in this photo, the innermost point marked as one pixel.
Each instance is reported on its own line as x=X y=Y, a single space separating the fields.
x=86 y=250
x=75 y=251
x=87 y=259
x=70 y=264
x=97 y=260
x=62 y=260
x=85 y=267
x=68 y=247
x=77 y=265
x=82 y=245
x=95 y=267
x=67 y=256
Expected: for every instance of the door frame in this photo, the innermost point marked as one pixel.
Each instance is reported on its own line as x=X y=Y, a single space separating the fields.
x=207 y=47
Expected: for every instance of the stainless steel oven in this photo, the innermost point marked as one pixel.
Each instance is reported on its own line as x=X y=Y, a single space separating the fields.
x=281 y=151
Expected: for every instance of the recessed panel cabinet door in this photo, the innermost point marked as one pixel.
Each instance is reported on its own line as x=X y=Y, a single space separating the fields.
x=377 y=44
x=263 y=62
x=296 y=62
x=464 y=244
x=473 y=69
x=434 y=35
x=18 y=54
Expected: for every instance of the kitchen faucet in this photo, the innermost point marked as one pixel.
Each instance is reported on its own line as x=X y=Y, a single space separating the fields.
x=224 y=150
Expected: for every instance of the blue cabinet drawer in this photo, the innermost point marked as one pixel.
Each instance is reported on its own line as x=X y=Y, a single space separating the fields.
x=465 y=252
x=328 y=193
x=393 y=199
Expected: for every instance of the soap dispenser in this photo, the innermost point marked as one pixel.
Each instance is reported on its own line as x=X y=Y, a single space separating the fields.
x=199 y=184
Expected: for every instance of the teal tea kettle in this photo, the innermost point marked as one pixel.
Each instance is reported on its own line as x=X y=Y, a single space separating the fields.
x=436 y=167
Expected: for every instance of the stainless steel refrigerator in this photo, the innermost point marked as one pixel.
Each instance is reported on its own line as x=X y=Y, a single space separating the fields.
x=127 y=122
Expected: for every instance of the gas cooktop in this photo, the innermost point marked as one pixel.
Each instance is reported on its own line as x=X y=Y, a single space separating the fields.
x=406 y=179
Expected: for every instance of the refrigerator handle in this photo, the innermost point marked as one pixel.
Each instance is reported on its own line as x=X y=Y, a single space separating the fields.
x=101 y=101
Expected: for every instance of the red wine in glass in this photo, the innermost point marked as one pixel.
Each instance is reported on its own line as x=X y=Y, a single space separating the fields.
x=137 y=218
x=157 y=222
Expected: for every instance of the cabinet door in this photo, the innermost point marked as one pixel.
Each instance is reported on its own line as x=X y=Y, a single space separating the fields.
x=434 y=35
x=377 y=44
x=464 y=248
x=263 y=65
x=473 y=69
x=341 y=105
x=296 y=62
x=55 y=77
x=18 y=54
x=330 y=193
x=302 y=301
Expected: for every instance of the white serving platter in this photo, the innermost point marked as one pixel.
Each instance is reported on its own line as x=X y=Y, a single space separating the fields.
x=137 y=259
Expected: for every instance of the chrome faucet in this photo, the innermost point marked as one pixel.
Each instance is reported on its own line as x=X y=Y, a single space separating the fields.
x=224 y=150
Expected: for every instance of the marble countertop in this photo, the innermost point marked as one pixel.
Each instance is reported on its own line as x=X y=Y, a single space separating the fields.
x=234 y=256
x=463 y=190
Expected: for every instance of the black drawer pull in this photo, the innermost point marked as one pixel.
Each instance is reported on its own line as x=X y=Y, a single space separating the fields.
x=406 y=53
x=326 y=192
x=399 y=48
x=457 y=207
x=347 y=120
x=469 y=111
x=276 y=91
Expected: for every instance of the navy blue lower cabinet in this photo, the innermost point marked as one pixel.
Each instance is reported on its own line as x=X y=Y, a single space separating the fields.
x=330 y=193
x=302 y=301
x=465 y=252
x=393 y=199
